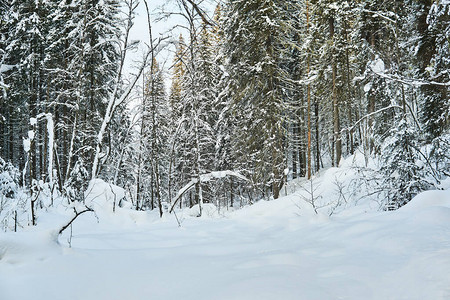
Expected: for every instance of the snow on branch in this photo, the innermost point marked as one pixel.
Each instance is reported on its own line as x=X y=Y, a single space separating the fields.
x=220 y=174
x=351 y=128
x=378 y=14
x=407 y=81
x=205 y=178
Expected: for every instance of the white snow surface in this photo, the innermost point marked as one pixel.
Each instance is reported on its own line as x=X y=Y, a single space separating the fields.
x=102 y=195
x=5 y=68
x=378 y=66
x=278 y=249
x=367 y=87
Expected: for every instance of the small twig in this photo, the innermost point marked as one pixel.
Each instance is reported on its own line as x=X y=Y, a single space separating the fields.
x=115 y=197
x=176 y=217
x=69 y=240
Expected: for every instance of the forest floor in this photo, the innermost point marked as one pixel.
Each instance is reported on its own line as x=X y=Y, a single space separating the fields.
x=279 y=249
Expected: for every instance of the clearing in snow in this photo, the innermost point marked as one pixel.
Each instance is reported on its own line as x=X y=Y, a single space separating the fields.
x=278 y=249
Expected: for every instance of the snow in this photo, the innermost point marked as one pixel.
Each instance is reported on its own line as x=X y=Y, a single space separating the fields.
x=103 y=197
x=269 y=21
x=31 y=135
x=205 y=178
x=279 y=249
x=378 y=66
x=5 y=68
x=220 y=174
x=26 y=145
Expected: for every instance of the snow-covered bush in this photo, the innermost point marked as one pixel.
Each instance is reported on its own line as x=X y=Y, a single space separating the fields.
x=101 y=195
x=404 y=166
x=440 y=156
x=9 y=180
x=208 y=210
x=78 y=182
x=13 y=202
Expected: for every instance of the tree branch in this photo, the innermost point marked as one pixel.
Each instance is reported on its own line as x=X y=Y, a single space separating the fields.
x=201 y=13
x=77 y=214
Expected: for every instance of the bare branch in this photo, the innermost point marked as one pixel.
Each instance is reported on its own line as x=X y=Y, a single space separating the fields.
x=77 y=214
x=201 y=13
x=409 y=81
x=369 y=115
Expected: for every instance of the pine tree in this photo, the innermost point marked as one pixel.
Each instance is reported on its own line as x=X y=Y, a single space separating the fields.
x=155 y=134
x=176 y=112
x=403 y=167
x=378 y=56
x=252 y=37
x=63 y=71
x=223 y=191
x=26 y=43
x=193 y=135
x=96 y=59
x=433 y=26
x=179 y=69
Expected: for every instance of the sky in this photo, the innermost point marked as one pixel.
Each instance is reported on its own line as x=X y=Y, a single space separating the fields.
x=167 y=29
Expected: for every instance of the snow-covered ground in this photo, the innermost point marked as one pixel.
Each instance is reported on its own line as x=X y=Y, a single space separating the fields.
x=279 y=249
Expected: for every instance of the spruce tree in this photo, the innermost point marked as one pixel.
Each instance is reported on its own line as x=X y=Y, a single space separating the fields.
x=155 y=131
x=252 y=35
x=27 y=83
x=433 y=26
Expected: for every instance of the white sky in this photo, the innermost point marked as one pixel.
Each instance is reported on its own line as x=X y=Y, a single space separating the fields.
x=167 y=29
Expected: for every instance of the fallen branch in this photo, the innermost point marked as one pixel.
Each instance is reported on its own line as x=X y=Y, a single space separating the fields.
x=77 y=214
x=205 y=178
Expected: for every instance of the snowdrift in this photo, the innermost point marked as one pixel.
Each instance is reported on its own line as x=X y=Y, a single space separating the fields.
x=334 y=244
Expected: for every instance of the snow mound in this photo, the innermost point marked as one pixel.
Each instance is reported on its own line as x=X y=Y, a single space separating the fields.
x=101 y=195
x=111 y=206
x=208 y=210
x=17 y=248
x=333 y=191
x=429 y=199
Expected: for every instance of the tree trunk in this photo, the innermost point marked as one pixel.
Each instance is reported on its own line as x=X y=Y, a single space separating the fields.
x=294 y=151
x=336 y=126
x=308 y=92
x=371 y=108
x=316 y=112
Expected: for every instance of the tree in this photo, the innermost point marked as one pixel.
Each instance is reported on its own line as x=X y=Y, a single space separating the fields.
x=433 y=27
x=155 y=131
x=192 y=136
x=99 y=60
x=404 y=169
x=176 y=112
x=252 y=38
x=27 y=84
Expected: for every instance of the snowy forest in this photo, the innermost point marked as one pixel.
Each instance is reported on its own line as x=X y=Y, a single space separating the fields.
x=273 y=90
x=258 y=99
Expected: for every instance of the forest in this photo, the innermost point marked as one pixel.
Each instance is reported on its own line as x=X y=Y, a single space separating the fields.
x=258 y=93
x=224 y=149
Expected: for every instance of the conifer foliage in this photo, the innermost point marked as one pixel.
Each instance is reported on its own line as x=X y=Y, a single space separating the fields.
x=253 y=31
